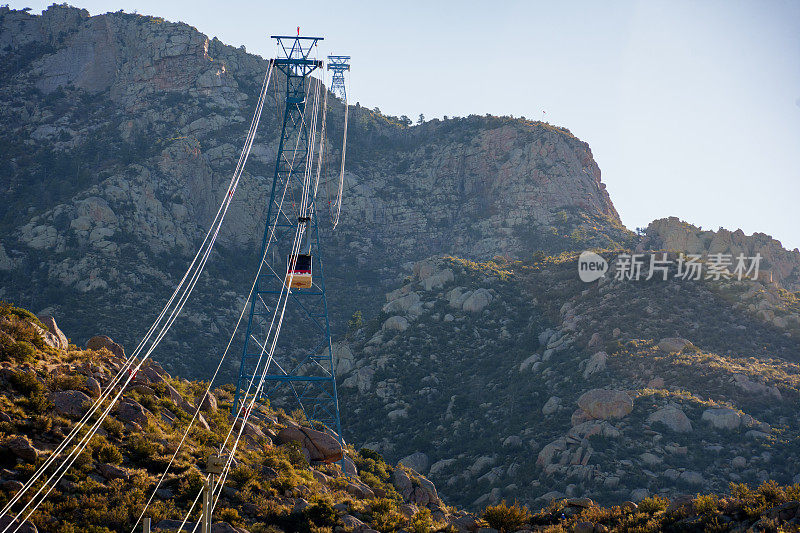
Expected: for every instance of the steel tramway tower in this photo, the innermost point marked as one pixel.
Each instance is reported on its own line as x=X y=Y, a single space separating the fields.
x=305 y=372
x=339 y=65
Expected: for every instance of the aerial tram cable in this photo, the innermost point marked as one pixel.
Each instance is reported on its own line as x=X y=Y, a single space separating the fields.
x=250 y=408
x=261 y=264
x=280 y=206
x=127 y=366
x=285 y=292
x=246 y=407
x=210 y=384
x=338 y=203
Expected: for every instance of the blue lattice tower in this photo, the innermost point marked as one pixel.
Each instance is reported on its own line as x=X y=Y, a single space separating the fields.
x=302 y=366
x=338 y=65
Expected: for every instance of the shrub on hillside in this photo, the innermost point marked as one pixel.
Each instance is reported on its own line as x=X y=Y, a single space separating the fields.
x=653 y=504
x=26 y=383
x=422 y=522
x=506 y=518
x=17 y=352
x=384 y=515
x=108 y=453
x=706 y=504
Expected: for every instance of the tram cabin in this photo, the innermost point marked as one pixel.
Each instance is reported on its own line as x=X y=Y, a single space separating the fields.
x=298 y=277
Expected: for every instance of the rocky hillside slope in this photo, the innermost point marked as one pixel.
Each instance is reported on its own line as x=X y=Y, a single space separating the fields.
x=121 y=132
x=286 y=477
x=505 y=380
x=284 y=480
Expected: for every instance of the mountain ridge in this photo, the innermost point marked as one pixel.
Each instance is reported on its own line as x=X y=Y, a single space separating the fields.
x=113 y=176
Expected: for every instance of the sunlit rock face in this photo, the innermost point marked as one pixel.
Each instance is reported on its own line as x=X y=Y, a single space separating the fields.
x=123 y=131
x=778 y=264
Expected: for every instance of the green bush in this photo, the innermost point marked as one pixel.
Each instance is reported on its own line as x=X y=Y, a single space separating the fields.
x=422 y=522
x=113 y=426
x=67 y=382
x=149 y=403
x=384 y=515
x=230 y=516
x=366 y=453
x=108 y=453
x=294 y=452
x=707 y=504
x=653 y=504
x=141 y=447
x=321 y=514
x=27 y=383
x=506 y=518
x=7 y=309
x=19 y=352
x=242 y=474
x=38 y=403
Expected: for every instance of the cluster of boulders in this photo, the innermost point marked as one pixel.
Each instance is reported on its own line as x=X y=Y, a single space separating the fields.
x=405 y=305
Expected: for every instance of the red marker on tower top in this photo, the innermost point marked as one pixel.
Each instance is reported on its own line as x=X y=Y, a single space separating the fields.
x=298 y=31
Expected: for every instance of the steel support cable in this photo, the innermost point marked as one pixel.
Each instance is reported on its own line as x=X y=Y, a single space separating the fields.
x=62 y=469
x=310 y=147
x=310 y=199
x=186 y=518
x=277 y=216
x=249 y=409
x=295 y=249
x=219 y=365
x=321 y=143
x=295 y=245
x=264 y=372
x=284 y=290
x=294 y=155
x=114 y=382
x=310 y=152
x=236 y=174
x=187 y=291
x=338 y=204
x=258 y=362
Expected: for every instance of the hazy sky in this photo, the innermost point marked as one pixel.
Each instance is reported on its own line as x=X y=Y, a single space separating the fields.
x=691 y=109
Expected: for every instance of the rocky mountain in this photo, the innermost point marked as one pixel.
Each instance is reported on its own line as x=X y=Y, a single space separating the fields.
x=517 y=380
x=121 y=134
x=483 y=362
x=286 y=477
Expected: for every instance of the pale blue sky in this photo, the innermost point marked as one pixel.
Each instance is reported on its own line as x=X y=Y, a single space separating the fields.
x=692 y=109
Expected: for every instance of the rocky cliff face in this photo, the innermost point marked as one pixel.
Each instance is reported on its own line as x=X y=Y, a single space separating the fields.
x=778 y=264
x=122 y=131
